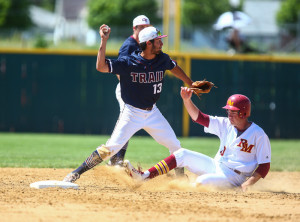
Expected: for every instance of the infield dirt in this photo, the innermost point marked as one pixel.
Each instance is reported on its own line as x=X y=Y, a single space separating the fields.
x=108 y=194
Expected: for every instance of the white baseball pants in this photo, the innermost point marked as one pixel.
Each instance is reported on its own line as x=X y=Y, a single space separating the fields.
x=132 y=119
x=210 y=171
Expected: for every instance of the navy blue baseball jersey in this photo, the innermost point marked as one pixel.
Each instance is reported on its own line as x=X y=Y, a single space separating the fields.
x=141 y=79
x=129 y=46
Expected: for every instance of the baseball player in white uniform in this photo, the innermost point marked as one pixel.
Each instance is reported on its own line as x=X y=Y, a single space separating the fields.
x=141 y=79
x=243 y=157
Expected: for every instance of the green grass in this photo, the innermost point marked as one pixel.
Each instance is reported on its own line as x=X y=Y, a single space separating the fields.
x=68 y=151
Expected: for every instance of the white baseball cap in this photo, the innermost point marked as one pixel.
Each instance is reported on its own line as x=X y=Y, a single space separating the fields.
x=150 y=33
x=141 y=20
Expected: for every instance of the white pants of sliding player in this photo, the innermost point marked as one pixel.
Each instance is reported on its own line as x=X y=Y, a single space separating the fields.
x=210 y=171
x=132 y=119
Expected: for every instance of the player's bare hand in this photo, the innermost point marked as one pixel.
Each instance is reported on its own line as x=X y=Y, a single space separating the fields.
x=104 y=31
x=186 y=93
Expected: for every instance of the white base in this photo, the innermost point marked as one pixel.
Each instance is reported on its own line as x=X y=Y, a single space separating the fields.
x=53 y=183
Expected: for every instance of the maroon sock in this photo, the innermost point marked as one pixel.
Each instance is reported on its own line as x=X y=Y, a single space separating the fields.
x=163 y=166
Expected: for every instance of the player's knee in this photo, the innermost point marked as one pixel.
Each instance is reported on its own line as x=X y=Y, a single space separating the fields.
x=180 y=152
x=180 y=157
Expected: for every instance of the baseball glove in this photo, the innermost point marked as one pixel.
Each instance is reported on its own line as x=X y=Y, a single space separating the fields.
x=203 y=86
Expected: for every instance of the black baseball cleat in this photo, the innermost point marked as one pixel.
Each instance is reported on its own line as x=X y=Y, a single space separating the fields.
x=117 y=160
x=119 y=163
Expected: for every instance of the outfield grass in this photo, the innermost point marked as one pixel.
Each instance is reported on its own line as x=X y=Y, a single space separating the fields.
x=68 y=151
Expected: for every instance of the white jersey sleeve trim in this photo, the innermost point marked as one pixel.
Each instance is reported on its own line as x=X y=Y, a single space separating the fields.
x=175 y=64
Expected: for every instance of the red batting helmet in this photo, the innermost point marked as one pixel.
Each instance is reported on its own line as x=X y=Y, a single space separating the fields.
x=241 y=103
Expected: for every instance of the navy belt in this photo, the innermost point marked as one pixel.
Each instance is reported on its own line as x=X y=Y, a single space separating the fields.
x=148 y=108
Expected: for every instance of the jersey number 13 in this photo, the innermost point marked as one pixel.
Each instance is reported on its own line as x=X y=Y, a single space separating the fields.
x=157 y=88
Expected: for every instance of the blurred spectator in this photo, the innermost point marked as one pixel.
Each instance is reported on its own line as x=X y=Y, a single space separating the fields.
x=238 y=43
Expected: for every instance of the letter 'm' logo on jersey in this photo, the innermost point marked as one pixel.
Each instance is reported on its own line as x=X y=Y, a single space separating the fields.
x=245 y=147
